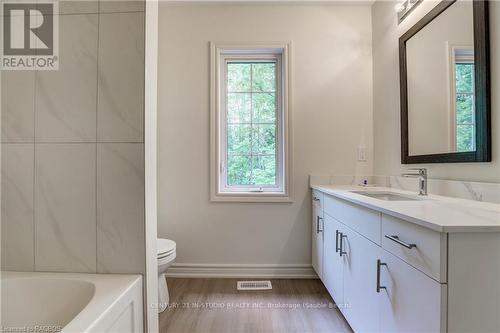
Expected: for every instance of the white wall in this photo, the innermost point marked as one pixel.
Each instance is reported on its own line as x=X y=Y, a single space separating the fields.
x=386 y=112
x=332 y=115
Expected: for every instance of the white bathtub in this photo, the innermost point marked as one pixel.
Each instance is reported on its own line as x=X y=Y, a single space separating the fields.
x=71 y=302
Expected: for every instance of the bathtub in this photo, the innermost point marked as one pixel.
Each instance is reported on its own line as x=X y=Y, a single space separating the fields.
x=70 y=302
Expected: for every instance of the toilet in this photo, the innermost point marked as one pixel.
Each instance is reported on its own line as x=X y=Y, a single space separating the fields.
x=166 y=256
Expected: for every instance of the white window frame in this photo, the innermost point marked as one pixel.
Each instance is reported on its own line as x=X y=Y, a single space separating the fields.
x=221 y=54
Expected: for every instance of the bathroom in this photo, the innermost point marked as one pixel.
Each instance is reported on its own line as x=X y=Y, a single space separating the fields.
x=165 y=152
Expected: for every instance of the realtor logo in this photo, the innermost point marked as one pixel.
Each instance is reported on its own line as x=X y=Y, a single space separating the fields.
x=30 y=35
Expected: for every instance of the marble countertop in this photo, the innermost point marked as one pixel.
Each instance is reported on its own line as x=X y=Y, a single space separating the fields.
x=439 y=213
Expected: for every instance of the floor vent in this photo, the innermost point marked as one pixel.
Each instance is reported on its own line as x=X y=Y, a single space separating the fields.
x=254 y=285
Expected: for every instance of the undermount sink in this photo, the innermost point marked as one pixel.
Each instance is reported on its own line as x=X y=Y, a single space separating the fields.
x=388 y=196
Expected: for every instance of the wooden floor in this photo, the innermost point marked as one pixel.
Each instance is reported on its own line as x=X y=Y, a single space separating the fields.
x=215 y=306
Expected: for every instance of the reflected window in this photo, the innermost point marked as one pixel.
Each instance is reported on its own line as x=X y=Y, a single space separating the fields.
x=464 y=100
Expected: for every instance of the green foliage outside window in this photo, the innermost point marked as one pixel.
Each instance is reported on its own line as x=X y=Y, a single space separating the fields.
x=464 y=107
x=251 y=124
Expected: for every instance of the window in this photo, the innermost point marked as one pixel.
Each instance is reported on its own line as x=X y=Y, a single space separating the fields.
x=464 y=107
x=250 y=118
x=463 y=113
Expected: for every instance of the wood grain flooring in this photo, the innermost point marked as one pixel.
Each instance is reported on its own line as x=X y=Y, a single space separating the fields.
x=215 y=306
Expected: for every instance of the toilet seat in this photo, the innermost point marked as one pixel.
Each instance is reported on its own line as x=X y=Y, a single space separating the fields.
x=166 y=260
x=165 y=257
x=165 y=247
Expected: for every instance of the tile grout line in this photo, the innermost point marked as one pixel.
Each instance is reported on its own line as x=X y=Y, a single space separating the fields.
x=35 y=78
x=64 y=142
x=97 y=136
x=143 y=162
x=97 y=12
x=34 y=169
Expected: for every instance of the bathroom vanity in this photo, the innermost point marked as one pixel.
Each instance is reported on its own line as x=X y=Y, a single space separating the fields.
x=394 y=261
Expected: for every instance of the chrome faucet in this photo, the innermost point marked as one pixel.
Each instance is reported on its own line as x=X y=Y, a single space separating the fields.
x=421 y=173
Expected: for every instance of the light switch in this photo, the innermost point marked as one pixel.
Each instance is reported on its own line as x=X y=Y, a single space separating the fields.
x=361 y=153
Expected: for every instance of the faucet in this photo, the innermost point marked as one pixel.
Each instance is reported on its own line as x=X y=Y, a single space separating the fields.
x=421 y=173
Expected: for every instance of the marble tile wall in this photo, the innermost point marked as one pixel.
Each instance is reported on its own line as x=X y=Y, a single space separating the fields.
x=487 y=192
x=477 y=191
x=73 y=148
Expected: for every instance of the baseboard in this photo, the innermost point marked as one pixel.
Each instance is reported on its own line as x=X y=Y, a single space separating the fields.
x=187 y=270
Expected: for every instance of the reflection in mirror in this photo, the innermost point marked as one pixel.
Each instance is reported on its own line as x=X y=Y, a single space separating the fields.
x=463 y=100
x=440 y=84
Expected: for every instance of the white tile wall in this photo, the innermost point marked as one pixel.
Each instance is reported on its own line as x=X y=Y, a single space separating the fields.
x=18 y=93
x=65 y=207
x=70 y=203
x=121 y=77
x=117 y=6
x=17 y=207
x=78 y=6
x=120 y=206
x=66 y=98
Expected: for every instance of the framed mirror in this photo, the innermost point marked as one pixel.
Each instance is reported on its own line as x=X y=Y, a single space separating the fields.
x=445 y=85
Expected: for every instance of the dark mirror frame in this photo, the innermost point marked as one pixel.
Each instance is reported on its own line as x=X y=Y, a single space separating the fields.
x=482 y=88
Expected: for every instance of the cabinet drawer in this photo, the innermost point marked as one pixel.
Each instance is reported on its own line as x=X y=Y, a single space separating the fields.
x=358 y=218
x=428 y=250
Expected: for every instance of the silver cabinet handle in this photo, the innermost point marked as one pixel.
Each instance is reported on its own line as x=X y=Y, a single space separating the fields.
x=337 y=241
x=341 y=252
x=318 y=230
x=379 y=263
x=396 y=239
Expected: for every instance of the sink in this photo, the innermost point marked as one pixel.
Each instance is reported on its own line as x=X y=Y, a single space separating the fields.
x=388 y=196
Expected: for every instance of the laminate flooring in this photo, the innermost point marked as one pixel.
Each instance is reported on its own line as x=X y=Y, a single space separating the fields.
x=216 y=306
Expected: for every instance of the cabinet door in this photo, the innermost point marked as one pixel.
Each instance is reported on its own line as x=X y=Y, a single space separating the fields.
x=317 y=233
x=360 y=281
x=332 y=262
x=411 y=301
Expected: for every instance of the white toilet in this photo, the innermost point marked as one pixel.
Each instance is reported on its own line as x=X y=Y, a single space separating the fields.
x=166 y=256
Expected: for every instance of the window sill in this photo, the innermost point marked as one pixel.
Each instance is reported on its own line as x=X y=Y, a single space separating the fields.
x=251 y=197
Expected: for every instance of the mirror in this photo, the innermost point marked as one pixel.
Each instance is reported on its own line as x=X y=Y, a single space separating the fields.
x=444 y=72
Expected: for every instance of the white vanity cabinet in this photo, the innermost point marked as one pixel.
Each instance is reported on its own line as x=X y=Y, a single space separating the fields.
x=390 y=271
x=317 y=232
x=363 y=220
x=333 y=267
x=361 y=299
x=376 y=290
x=430 y=247
x=409 y=300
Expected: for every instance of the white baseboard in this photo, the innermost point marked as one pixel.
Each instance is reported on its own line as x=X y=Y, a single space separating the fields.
x=187 y=270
